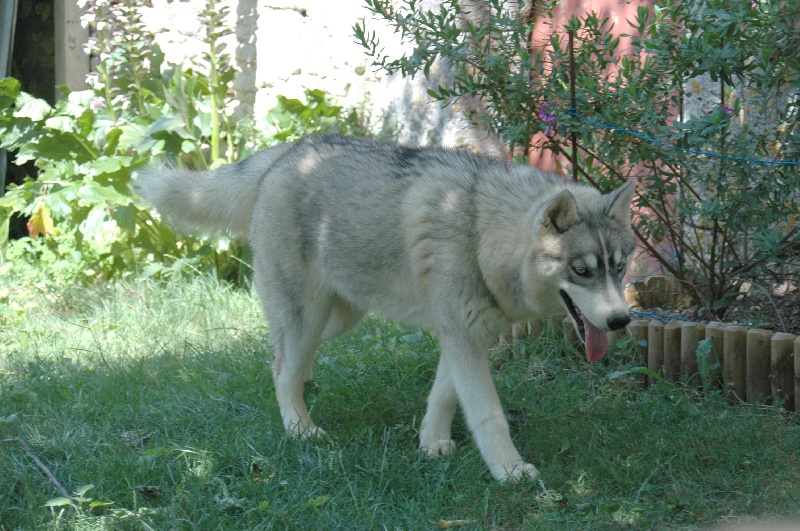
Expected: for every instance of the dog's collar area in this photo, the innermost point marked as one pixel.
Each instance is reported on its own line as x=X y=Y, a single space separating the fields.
x=575 y=312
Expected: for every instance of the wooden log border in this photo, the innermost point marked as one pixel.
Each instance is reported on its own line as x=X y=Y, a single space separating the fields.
x=755 y=365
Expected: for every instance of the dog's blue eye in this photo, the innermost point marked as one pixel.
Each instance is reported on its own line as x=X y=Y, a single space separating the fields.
x=621 y=267
x=581 y=271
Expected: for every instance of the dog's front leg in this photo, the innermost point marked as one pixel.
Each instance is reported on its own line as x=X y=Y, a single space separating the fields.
x=468 y=368
x=434 y=434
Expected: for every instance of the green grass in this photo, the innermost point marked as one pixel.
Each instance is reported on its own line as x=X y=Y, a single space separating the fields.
x=160 y=396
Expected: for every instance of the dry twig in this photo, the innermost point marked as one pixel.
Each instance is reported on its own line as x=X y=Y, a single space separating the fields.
x=43 y=468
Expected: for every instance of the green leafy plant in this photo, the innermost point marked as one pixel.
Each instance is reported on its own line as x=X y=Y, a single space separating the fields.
x=712 y=222
x=77 y=500
x=83 y=222
x=292 y=119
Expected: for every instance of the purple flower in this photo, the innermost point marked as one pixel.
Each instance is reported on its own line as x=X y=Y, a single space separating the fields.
x=549 y=118
x=727 y=111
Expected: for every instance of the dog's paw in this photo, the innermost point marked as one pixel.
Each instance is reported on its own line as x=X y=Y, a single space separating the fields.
x=519 y=472
x=303 y=433
x=439 y=448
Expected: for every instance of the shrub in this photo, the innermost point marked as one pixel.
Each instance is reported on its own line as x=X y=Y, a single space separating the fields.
x=712 y=222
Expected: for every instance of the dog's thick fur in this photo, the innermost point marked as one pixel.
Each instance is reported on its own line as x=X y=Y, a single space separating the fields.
x=450 y=241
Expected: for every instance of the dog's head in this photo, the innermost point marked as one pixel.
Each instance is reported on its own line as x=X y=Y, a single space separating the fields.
x=583 y=245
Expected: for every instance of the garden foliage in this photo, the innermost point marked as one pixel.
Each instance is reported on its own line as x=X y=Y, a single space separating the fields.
x=711 y=222
x=82 y=220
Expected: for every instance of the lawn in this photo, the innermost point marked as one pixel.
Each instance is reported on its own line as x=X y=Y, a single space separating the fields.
x=154 y=402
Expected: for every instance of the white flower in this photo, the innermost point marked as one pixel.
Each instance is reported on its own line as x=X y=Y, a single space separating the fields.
x=87 y=19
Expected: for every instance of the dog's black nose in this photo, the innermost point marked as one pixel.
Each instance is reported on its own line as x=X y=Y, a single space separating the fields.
x=619 y=321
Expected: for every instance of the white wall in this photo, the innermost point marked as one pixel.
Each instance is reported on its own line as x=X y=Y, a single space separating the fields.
x=307 y=44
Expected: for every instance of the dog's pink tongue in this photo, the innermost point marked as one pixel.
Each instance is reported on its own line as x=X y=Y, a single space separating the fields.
x=596 y=340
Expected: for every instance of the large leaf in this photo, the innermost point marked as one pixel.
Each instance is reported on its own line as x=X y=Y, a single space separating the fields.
x=9 y=91
x=40 y=222
x=58 y=145
x=125 y=216
x=93 y=193
x=112 y=141
x=29 y=107
x=93 y=224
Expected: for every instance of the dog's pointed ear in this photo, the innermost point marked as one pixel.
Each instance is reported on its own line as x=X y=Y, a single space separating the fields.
x=618 y=203
x=561 y=213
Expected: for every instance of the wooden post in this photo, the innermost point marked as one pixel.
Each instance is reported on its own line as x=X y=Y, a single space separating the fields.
x=672 y=351
x=655 y=348
x=535 y=329
x=714 y=330
x=638 y=329
x=797 y=373
x=500 y=347
x=782 y=369
x=655 y=291
x=758 y=362
x=690 y=337
x=734 y=349
x=510 y=340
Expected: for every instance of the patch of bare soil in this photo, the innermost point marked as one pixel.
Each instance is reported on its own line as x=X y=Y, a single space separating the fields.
x=773 y=307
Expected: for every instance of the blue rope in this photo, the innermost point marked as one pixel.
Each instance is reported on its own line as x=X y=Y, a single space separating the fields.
x=663 y=318
x=667 y=145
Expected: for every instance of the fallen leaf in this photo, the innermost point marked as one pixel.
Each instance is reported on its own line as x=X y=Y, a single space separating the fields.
x=446 y=524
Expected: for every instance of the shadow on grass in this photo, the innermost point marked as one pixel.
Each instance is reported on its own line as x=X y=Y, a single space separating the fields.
x=183 y=432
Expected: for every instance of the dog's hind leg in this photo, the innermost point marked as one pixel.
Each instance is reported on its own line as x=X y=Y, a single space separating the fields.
x=294 y=355
x=296 y=334
x=434 y=434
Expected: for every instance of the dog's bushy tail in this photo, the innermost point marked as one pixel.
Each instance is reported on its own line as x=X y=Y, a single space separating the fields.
x=207 y=202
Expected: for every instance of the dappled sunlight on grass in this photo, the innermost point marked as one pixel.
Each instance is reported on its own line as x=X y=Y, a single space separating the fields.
x=160 y=396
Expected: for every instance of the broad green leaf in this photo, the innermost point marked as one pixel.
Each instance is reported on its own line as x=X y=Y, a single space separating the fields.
x=112 y=141
x=105 y=164
x=64 y=124
x=99 y=504
x=9 y=91
x=78 y=102
x=58 y=502
x=92 y=193
x=29 y=107
x=82 y=490
x=58 y=145
x=93 y=224
x=85 y=123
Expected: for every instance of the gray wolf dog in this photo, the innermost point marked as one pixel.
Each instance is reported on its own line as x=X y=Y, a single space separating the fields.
x=453 y=242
